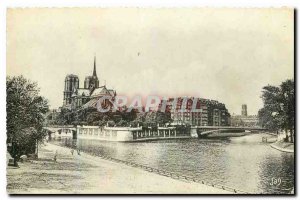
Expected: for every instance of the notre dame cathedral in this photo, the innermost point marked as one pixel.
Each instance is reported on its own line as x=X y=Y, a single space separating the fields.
x=76 y=97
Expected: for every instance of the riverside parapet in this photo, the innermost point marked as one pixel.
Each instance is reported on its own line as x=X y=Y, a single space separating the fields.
x=127 y=134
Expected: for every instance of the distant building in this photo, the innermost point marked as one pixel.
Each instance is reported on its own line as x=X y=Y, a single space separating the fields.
x=244 y=110
x=88 y=96
x=211 y=113
x=244 y=119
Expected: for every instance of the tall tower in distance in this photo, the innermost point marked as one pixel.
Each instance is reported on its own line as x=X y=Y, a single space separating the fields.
x=92 y=82
x=244 y=110
x=71 y=83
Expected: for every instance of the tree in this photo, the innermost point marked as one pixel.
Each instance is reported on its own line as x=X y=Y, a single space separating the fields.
x=287 y=100
x=129 y=116
x=26 y=111
x=267 y=115
x=267 y=119
x=65 y=117
x=122 y=123
x=279 y=107
x=163 y=117
x=93 y=117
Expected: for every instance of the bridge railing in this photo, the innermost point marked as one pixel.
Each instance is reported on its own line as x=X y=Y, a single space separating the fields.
x=229 y=127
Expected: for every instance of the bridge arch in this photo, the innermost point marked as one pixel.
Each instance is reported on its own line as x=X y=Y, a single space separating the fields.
x=64 y=131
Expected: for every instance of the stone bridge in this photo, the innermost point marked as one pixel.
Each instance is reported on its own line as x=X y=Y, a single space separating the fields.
x=68 y=130
x=202 y=131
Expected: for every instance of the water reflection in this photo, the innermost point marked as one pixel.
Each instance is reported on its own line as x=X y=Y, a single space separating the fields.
x=243 y=163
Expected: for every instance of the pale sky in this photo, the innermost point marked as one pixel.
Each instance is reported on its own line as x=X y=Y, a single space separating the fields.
x=222 y=54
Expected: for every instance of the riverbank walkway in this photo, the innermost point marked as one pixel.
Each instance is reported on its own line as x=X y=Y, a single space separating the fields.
x=283 y=146
x=86 y=174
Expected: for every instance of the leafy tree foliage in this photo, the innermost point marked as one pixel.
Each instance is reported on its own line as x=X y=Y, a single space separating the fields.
x=121 y=118
x=279 y=107
x=65 y=117
x=26 y=111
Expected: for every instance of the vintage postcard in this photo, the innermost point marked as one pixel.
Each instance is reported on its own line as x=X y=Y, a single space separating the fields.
x=150 y=101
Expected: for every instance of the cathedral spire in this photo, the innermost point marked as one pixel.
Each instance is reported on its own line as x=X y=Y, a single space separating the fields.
x=94 y=72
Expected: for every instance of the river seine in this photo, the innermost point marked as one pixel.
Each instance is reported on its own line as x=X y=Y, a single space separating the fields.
x=244 y=163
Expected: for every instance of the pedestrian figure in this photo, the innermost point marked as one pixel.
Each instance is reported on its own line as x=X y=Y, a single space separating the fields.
x=72 y=151
x=78 y=152
x=55 y=156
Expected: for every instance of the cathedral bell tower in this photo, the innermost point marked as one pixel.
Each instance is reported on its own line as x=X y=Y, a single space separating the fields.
x=92 y=82
x=71 y=83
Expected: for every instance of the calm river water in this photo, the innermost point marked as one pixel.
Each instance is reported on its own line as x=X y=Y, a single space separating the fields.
x=243 y=163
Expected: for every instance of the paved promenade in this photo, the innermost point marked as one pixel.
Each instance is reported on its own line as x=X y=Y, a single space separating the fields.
x=88 y=174
x=284 y=146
